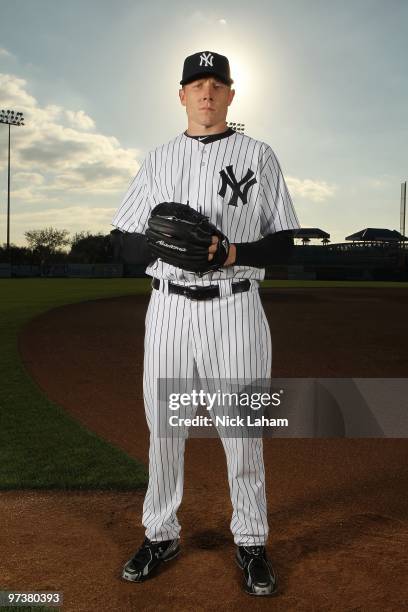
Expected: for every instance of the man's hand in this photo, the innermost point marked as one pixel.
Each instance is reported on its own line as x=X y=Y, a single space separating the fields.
x=180 y=236
x=232 y=253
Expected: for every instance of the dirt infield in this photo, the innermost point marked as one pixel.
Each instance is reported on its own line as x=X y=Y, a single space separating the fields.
x=338 y=510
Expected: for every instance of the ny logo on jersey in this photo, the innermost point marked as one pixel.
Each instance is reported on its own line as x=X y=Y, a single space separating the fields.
x=228 y=179
x=206 y=59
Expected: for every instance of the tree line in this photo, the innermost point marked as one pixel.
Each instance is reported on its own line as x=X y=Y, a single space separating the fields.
x=52 y=245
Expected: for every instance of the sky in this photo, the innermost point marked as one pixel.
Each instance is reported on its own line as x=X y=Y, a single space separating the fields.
x=324 y=83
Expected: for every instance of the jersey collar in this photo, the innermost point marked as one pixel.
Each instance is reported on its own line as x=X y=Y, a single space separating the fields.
x=212 y=137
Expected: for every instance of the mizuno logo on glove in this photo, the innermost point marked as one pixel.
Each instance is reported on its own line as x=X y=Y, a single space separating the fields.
x=170 y=246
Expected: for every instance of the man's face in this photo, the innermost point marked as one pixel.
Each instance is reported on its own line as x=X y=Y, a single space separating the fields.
x=206 y=101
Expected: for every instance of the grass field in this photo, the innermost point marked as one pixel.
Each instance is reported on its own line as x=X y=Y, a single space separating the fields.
x=333 y=284
x=40 y=445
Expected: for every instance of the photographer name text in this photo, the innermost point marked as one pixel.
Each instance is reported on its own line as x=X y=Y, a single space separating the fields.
x=226 y=421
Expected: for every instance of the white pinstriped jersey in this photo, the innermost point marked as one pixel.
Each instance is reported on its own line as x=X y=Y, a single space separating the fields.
x=232 y=178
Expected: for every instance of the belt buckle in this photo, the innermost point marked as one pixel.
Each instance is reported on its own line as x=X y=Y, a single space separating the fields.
x=189 y=291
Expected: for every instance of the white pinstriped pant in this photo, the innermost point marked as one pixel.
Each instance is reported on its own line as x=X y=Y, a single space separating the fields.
x=226 y=337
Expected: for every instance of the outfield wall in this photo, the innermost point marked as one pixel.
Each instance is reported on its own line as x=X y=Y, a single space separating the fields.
x=97 y=270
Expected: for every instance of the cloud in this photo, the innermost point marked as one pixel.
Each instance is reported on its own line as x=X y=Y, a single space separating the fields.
x=72 y=218
x=198 y=17
x=380 y=182
x=5 y=53
x=24 y=186
x=316 y=191
x=80 y=120
x=208 y=18
x=62 y=146
x=13 y=93
x=32 y=178
x=380 y=186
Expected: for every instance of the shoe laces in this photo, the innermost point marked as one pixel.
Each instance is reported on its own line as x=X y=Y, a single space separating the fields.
x=147 y=548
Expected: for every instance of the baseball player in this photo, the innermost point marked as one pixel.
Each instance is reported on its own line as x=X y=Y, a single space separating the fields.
x=210 y=326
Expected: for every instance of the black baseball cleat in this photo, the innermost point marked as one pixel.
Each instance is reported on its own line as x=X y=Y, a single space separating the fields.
x=148 y=557
x=260 y=578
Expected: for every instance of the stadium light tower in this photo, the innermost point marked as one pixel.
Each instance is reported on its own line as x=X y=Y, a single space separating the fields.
x=238 y=127
x=10 y=118
x=403 y=207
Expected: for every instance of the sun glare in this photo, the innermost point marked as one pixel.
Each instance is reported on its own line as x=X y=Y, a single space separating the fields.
x=241 y=74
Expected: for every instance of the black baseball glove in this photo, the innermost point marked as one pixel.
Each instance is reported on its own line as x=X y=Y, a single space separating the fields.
x=180 y=236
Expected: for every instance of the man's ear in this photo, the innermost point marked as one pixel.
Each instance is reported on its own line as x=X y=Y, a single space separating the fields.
x=231 y=96
x=182 y=96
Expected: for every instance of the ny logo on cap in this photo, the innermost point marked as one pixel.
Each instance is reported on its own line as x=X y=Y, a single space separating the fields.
x=206 y=59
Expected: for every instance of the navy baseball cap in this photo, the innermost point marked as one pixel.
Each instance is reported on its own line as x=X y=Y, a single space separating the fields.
x=206 y=63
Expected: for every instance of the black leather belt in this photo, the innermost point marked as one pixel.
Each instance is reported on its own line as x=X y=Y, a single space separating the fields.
x=198 y=292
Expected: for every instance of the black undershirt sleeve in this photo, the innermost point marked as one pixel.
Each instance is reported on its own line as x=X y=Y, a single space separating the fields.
x=133 y=248
x=272 y=249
